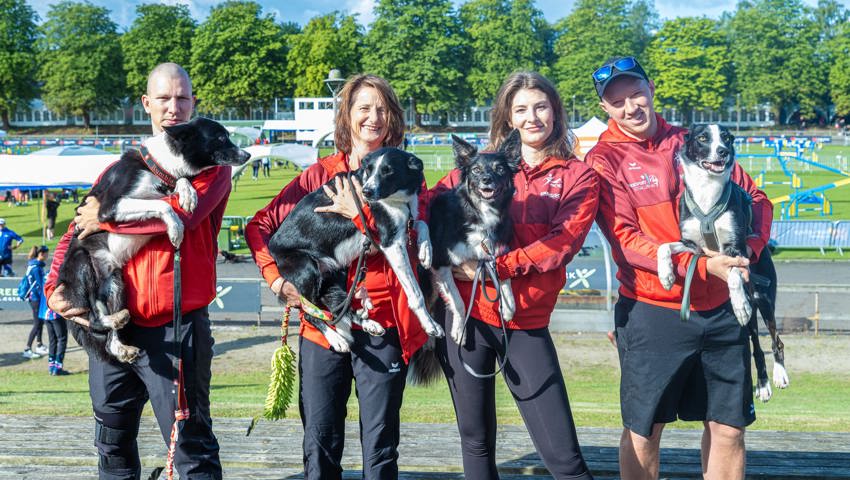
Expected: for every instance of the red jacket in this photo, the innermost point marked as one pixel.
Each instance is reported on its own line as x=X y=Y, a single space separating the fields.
x=388 y=298
x=149 y=275
x=553 y=208
x=639 y=210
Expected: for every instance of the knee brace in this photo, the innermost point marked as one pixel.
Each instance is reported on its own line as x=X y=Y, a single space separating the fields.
x=116 y=448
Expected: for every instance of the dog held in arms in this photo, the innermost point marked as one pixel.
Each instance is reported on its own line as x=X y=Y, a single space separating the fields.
x=314 y=250
x=715 y=213
x=474 y=223
x=132 y=189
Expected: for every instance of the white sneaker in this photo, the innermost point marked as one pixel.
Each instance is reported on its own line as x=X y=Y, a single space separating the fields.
x=41 y=349
x=30 y=354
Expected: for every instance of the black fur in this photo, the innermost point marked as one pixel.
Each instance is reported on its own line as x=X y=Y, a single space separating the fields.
x=306 y=242
x=87 y=277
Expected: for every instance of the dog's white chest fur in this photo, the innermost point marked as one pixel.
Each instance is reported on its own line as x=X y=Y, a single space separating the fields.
x=472 y=247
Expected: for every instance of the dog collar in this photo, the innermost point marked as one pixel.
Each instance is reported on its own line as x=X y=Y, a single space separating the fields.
x=157 y=169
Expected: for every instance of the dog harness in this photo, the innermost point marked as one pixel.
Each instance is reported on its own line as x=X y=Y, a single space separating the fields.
x=157 y=169
x=708 y=230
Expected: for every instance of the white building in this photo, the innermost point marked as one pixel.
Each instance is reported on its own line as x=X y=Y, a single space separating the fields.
x=312 y=120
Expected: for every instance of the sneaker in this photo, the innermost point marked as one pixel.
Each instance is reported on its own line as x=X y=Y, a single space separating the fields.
x=60 y=372
x=41 y=349
x=30 y=354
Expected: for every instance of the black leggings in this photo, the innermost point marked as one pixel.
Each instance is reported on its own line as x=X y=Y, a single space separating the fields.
x=534 y=378
x=57 y=333
x=37 y=325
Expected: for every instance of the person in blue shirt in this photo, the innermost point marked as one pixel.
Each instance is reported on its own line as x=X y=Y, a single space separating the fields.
x=35 y=272
x=57 y=328
x=9 y=241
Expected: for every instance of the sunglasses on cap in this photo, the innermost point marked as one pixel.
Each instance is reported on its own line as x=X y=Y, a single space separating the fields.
x=625 y=65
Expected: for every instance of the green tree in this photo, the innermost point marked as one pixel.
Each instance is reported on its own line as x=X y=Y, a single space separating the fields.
x=774 y=48
x=593 y=32
x=81 y=61
x=418 y=47
x=160 y=33
x=691 y=64
x=18 y=59
x=839 y=73
x=328 y=41
x=504 y=36
x=238 y=58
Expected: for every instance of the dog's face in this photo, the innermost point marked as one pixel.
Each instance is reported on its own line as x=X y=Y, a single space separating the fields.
x=204 y=143
x=489 y=175
x=389 y=172
x=710 y=147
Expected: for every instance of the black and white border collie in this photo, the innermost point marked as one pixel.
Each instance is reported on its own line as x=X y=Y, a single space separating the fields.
x=314 y=250
x=707 y=159
x=129 y=191
x=475 y=212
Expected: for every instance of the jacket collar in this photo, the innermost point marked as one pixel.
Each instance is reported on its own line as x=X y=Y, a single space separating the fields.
x=615 y=135
x=547 y=164
x=335 y=163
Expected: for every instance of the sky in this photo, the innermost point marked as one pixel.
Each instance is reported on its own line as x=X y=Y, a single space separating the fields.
x=300 y=11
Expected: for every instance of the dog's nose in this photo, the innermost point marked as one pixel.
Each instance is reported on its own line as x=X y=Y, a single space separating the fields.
x=368 y=192
x=722 y=152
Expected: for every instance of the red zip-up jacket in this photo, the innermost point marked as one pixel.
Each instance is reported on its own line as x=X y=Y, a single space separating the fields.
x=388 y=298
x=639 y=210
x=149 y=275
x=552 y=211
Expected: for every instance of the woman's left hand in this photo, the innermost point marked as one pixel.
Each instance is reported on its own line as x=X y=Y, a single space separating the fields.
x=343 y=199
x=86 y=219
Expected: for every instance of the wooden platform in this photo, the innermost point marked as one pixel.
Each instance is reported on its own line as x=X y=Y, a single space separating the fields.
x=61 y=448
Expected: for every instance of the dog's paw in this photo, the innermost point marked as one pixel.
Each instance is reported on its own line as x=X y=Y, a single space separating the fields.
x=433 y=329
x=763 y=391
x=423 y=243
x=666 y=276
x=175 y=233
x=425 y=253
x=117 y=320
x=186 y=194
x=337 y=342
x=373 y=328
x=780 y=376
x=742 y=309
x=458 y=333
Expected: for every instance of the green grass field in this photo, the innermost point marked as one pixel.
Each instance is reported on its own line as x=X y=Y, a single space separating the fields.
x=814 y=402
x=249 y=196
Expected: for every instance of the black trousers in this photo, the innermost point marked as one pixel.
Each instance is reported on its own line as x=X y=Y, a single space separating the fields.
x=534 y=378
x=57 y=333
x=37 y=325
x=325 y=377
x=119 y=392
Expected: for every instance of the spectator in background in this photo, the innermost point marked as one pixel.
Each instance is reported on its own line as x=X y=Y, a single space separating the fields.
x=52 y=207
x=267 y=167
x=7 y=238
x=255 y=167
x=35 y=272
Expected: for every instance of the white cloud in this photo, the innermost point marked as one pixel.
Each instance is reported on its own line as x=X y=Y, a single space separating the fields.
x=364 y=9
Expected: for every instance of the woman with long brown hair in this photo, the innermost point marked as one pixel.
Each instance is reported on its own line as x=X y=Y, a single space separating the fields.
x=555 y=201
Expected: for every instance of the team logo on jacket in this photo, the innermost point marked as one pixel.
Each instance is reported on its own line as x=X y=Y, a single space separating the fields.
x=556 y=184
x=646 y=182
x=394 y=367
x=634 y=166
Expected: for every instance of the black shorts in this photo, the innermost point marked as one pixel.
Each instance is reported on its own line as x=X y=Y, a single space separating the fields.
x=694 y=370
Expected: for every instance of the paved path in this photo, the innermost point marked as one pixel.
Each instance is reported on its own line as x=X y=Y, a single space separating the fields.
x=60 y=447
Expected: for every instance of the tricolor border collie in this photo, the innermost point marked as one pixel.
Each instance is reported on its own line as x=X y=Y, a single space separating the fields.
x=129 y=190
x=473 y=214
x=314 y=250
x=715 y=213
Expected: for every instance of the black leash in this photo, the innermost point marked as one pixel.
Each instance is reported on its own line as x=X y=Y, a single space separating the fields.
x=181 y=411
x=490 y=268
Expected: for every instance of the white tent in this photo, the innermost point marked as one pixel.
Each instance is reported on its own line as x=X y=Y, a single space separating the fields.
x=587 y=135
x=250 y=133
x=300 y=155
x=55 y=169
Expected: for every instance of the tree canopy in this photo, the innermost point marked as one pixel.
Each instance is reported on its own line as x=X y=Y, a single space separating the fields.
x=328 y=41
x=160 y=33
x=238 y=58
x=18 y=60
x=80 y=58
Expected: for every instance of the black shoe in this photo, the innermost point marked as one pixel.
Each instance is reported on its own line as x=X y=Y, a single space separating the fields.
x=61 y=372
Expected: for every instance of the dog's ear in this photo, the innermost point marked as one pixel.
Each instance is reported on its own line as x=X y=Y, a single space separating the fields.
x=511 y=148
x=181 y=130
x=414 y=163
x=463 y=151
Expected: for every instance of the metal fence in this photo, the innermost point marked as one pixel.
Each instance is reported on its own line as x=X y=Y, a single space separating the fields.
x=820 y=234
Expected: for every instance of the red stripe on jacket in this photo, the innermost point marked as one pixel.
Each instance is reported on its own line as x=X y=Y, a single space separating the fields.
x=149 y=275
x=552 y=211
x=639 y=210
x=388 y=298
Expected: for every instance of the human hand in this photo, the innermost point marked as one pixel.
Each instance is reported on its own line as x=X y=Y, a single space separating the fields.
x=465 y=271
x=720 y=265
x=59 y=304
x=86 y=220
x=286 y=292
x=343 y=198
